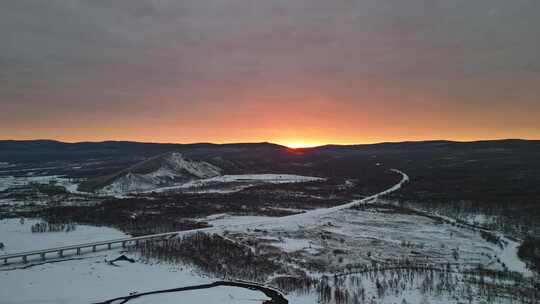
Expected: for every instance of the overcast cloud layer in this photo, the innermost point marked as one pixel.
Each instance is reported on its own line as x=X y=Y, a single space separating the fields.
x=200 y=70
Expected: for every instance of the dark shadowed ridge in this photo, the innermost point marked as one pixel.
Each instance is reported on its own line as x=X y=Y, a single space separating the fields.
x=431 y=144
x=50 y=150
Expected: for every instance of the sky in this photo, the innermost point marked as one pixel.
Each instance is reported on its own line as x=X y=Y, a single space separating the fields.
x=295 y=72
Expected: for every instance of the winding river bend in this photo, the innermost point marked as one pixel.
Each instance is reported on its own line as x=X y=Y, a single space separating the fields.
x=276 y=297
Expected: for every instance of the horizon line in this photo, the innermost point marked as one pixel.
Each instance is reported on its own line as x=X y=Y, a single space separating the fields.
x=267 y=142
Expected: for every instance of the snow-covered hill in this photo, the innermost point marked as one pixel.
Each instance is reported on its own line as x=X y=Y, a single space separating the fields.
x=162 y=171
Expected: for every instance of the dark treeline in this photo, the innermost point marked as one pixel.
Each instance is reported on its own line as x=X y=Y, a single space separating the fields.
x=134 y=223
x=174 y=212
x=496 y=181
x=530 y=252
x=520 y=222
x=52 y=227
x=373 y=284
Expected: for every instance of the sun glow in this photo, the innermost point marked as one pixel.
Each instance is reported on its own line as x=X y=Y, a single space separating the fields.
x=298 y=145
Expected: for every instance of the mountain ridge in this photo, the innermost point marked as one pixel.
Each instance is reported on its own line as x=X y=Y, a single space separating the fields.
x=46 y=150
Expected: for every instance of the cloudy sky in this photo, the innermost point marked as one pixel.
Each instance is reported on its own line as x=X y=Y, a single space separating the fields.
x=287 y=71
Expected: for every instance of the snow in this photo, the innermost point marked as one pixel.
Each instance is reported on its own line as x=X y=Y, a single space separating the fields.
x=292 y=245
x=79 y=280
x=295 y=221
x=216 y=295
x=225 y=220
x=18 y=237
x=172 y=167
x=269 y=178
x=92 y=279
x=244 y=178
x=508 y=255
x=7 y=182
x=199 y=169
x=510 y=258
x=30 y=170
x=130 y=183
x=311 y=215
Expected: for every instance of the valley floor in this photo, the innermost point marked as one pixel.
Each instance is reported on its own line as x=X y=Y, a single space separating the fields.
x=366 y=251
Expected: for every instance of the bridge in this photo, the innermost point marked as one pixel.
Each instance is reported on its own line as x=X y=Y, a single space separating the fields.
x=78 y=249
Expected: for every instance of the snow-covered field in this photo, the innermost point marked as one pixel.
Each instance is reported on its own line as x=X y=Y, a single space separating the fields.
x=269 y=178
x=319 y=242
x=17 y=236
x=7 y=182
x=172 y=167
x=92 y=279
x=225 y=220
x=133 y=183
x=246 y=180
x=89 y=278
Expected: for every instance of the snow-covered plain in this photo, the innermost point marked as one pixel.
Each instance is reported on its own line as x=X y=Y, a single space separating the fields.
x=363 y=236
x=17 y=236
x=147 y=183
x=269 y=178
x=92 y=279
x=246 y=180
x=89 y=278
x=7 y=182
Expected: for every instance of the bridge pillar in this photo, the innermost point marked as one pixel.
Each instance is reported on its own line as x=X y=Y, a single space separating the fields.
x=109 y=246
x=43 y=256
x=61 y=253
x=25 y=259
x=5 y=261
x=124 y=244
x=78 y=251
x=94 y=248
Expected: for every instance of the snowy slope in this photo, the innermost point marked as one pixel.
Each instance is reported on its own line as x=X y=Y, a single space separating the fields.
x=162 y=171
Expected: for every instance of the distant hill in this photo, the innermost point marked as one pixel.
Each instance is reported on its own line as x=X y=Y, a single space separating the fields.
x=428 y=145
x=48 y=150
x=160 y=171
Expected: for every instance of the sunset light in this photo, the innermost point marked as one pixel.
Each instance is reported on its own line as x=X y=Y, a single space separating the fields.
x=298 y=145
x=270 y=152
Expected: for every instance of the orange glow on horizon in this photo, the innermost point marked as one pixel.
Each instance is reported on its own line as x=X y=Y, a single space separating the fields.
x=310 y=141
x=299 y=145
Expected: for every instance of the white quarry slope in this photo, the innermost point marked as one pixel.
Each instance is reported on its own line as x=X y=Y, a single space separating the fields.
x=165 y=171
x=176 y=162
